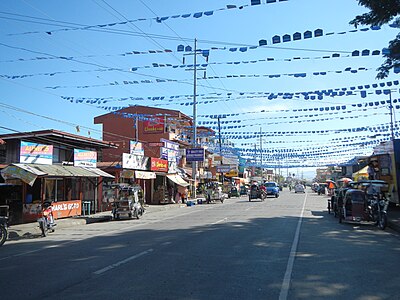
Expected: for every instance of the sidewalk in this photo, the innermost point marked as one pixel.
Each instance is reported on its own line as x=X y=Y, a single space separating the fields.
x=31 y=230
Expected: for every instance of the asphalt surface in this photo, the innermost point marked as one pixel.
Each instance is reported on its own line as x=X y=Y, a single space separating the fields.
x=282 y=248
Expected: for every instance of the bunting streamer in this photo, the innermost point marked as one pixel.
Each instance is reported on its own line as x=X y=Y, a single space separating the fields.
x=363 y=90
x=365 y=52
x=195 y=15
x=234 y=76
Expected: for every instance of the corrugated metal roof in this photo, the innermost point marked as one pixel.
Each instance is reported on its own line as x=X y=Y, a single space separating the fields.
x=62 y=171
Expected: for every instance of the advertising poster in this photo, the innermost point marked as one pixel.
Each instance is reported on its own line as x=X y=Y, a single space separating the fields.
x=154 y=126
x=136 y=148
x=33 y=153
x=158 y=164
x=138 y=162
x=85 y=158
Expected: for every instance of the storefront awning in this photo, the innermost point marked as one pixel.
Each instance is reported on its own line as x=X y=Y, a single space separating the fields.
x=29 y=172
x=145 y=175
x=177 y=179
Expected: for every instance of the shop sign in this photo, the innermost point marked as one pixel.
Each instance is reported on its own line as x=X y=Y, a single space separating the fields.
x=145 y=175
x=85 y=158
x=154 y=126
x=195 y=154
x=62 y=209
x=136 y=148
x=65 y=209
x=169 y=154
x=224 y=168
x=127 y=174
x=232 y=173
x=33 y=153
x=158 y=164
x=130 y=161
x=170 y=145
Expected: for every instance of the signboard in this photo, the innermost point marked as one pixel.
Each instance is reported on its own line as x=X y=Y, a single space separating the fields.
x=172 y=167
x=136 y=148
x=232 y=173
x=33 y=153
x=85 y=158
x=224 y=168
x=158 y=164
x=156 y=144
x=170 y=145
x=195 y=154
x=154 y=126
x=130 y=161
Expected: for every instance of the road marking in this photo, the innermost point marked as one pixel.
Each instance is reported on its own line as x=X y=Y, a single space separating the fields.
x=289 y=268
x=222 y=220
x=117 y=264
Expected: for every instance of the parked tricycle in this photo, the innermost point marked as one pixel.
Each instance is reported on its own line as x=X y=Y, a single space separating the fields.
x=127 y=201
x=366 y=201
x=214 y=192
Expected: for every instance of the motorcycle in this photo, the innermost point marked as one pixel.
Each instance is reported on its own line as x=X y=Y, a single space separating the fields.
x=46 y=221
x=377 y=210
x=3 y=230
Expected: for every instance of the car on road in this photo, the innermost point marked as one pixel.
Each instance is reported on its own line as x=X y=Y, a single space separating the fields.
x=299 y=188
x=272 y=189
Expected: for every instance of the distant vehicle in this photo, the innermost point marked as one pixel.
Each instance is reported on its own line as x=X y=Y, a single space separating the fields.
x=299 y=188
x=244 y=190
x=233 y=192
x=256 y=193
x=272 y=189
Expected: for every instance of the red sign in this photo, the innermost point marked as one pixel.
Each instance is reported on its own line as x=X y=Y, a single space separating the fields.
x=154 y=126
x=158 y=164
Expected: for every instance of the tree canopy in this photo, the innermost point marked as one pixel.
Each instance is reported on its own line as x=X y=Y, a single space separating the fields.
x=382 y=12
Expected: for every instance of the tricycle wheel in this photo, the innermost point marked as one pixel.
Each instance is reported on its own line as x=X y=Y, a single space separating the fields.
x=382 y=221
x=340 y=215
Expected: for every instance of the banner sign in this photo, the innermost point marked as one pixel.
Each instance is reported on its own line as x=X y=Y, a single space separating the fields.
x=85 y=158
x=172 y=167
x=224 y=168
x=154 y=126
x=138 y=162
x=33 y=153
x=136 y=148
x=158 y=164
x=170 y=145
x=195 y=154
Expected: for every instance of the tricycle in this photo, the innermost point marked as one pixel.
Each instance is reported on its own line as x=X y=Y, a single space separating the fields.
x=214 y=192
x=257 y=193
x=365 y=202
x=127 y=201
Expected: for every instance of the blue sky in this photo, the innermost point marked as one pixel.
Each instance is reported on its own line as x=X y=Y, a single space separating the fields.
x=35 y=83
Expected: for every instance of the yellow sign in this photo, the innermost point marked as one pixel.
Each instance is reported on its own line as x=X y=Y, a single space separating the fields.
x=232 y=173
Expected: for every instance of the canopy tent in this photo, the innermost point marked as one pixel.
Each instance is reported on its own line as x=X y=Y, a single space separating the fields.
x=361 y=174
x=29 y=172
x=177 y=179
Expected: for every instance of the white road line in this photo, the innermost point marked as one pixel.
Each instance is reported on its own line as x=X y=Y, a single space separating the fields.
x=117 y=264
x=222 y=220
x=289 y=268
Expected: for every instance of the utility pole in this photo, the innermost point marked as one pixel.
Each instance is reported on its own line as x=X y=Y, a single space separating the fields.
x=391 y=116
x=261 y=156
x=194 y=163
x=194 y=142
x=220 y=146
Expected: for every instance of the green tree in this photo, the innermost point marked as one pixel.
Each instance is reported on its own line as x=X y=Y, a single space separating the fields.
x=382 y=12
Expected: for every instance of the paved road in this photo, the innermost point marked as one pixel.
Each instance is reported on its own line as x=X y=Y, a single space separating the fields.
x=283 y=248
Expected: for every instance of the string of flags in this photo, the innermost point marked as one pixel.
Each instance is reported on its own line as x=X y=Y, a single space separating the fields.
x=232 y=76
x=195 y=15
x=363 y=90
